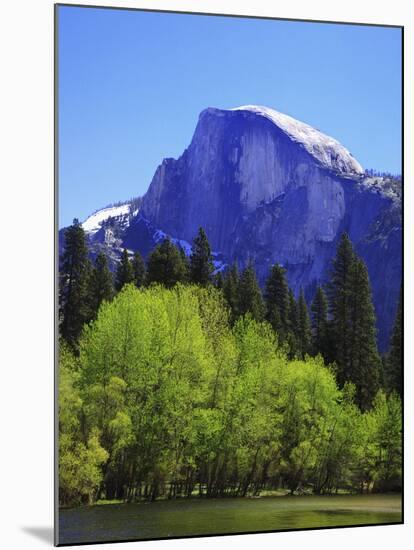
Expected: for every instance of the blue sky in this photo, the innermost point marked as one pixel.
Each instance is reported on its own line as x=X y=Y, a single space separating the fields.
x=132 y=84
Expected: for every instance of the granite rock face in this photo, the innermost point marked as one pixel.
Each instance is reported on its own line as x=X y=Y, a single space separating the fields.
x=272 y=189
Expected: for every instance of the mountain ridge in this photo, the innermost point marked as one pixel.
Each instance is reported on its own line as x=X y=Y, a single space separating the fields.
x=270 y=194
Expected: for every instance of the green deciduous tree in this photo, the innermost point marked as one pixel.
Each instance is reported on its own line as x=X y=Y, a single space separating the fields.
x=81 y=455
x=379 y=464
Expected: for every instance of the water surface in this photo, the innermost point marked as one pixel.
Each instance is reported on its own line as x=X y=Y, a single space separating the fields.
x=180 y=518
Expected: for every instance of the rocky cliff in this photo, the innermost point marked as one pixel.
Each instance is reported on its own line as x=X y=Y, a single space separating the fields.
x=272 y=189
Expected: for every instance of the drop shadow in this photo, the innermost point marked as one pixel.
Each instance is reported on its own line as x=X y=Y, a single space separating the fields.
x=43 y=533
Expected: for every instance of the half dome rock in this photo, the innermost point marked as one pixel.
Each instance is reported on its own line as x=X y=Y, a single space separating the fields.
x=241 y=159
x=269 y=188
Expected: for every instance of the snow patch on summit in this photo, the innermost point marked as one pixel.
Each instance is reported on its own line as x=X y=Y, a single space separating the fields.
x=94 y=222
x=327 y=150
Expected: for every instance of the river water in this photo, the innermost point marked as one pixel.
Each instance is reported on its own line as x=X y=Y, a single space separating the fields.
x=179 y=518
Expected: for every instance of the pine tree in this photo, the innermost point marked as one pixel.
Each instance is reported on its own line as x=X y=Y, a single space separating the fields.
x=100 y=284
x=231 y=286
x=138 y=268
x=304 y=333
x=124 y=273
x=277 y=302
x=394 y=361
x=339 y=295
x=250 y=295
x=186 y=264
x=201 y=260
x=352 y=328
x=364 y=360
x=219 y=280
x=166 y=265
x=319 y=315
x=74 y=274
x=292 y=337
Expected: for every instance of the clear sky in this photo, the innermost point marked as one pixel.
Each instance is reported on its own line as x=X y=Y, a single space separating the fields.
x=132 y=84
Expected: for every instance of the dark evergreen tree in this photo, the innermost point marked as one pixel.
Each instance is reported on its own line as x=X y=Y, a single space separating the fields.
x=124 y=273
x=186 y=264
x=293 y=326
x=394 y=360
x=364 y=361
x=138 y=268
x=218 y=280
x=319 y=315
x=73 y=288
x=100 y=284
x=277 y=302
x=166 y=265
x=231 y=286
x=201 y=260
x=352 y=326
x=293 y=312
x=304 y=332
x=250 y=295
x=339 y=295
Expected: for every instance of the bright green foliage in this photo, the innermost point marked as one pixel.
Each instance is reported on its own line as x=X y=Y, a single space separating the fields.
x=387 y=415
x=100 y=284
x=73 y=290
x=80 y=462
x=201 y=260
x=277 y=302
x=319 y=314
x=394 y=361
x=138 y=268
x=307 y=401
x=166 y=265
x=125 y=272
x=178 y=388
x=231 y=290
x=379 y=465
x=153 y=342
x=250 y=295
x=304 y=333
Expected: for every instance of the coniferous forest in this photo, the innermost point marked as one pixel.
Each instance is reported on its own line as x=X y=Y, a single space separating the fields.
x=176 y=380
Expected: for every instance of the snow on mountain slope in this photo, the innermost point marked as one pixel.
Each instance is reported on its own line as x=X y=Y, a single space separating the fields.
x=94 y=222
x=327 y=150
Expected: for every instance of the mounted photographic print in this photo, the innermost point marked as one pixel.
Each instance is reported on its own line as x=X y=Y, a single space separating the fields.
x=229 y=275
